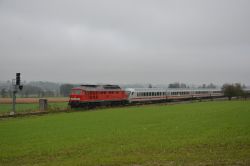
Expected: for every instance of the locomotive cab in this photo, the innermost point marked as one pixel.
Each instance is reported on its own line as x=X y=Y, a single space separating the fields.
x=76 y=94
x=75 y=97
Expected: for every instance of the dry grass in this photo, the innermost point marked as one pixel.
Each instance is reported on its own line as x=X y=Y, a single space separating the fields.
x=33 y=100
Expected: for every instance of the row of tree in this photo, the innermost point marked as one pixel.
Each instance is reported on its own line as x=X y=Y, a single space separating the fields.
x=177 y=85
x=29 y=91
x=229 y=90
x=234 y=90
x=35 y=91
x=183 y=85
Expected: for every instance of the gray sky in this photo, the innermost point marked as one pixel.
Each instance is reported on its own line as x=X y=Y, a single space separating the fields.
x=129 y=41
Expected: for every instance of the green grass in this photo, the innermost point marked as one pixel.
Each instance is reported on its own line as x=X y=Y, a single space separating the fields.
x=31 y=107
x=205 y=133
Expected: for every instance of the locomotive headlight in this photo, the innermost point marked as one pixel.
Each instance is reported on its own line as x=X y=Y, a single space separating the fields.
x=75 y=98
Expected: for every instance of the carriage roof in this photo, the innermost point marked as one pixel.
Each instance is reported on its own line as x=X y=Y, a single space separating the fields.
x=99 y=87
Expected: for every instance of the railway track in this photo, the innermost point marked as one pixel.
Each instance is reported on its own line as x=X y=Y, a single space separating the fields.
x=69 y=110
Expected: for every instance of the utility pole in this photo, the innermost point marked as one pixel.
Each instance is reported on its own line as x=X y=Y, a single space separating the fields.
x=16 y=84
x=14 y=90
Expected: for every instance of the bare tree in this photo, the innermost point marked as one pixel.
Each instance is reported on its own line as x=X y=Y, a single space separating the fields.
x=232 y=90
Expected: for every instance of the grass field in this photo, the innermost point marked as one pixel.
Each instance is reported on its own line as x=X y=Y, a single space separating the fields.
x=205 y=133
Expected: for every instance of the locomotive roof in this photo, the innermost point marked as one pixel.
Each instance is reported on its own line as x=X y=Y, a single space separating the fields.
x=99 y=87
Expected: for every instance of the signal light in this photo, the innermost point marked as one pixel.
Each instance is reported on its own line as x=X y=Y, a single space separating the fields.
x=18 y=79
x=20 y=87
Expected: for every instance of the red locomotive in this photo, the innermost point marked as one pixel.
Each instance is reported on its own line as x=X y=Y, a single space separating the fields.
x=97 y=95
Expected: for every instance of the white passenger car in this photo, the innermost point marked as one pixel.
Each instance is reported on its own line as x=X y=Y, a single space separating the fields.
x=192 y=93
x=161 y=94
x=146 y=94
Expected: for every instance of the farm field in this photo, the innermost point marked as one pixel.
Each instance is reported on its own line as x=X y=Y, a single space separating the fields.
x=33 y=100
x=201 y=133
x=29 y=107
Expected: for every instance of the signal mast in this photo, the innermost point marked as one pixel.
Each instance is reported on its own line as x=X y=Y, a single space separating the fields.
x=16 y=86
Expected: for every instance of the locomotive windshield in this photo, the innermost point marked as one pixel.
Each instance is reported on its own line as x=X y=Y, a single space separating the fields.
x=76 y=91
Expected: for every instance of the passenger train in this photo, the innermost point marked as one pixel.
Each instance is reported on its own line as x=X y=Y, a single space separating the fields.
x=160 y=94
x=103 y=95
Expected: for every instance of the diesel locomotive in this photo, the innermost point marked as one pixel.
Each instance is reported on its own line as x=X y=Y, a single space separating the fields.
x=97 y=95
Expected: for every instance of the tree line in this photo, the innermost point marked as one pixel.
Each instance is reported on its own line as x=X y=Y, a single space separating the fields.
x=44 y=89
x=234 y=90
x=183 y=85
x=31 y=90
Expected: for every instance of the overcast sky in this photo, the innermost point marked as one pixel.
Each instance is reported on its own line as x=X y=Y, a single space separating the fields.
x=129 y=41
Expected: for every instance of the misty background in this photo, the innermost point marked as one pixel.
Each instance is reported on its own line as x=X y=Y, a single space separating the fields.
x=126 y=42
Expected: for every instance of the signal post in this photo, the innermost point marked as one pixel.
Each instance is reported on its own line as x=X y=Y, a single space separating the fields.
x=16 y=85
